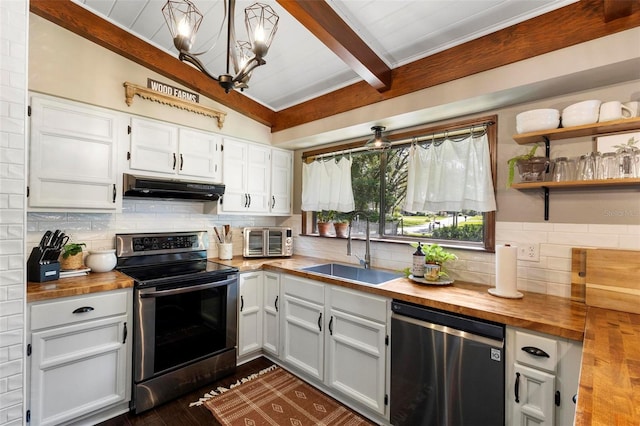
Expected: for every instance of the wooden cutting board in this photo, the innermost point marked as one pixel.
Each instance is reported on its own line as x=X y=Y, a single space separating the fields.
x=613 y=279
x=578 y=274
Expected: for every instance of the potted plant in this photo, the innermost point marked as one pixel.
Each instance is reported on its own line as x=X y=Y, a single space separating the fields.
x=324 y=222
x=435 y=256
x=72 y=256
x=530 y=167
x=341 y=225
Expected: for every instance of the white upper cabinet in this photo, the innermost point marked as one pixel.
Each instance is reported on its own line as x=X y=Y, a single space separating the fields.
x=73 y=156
x=167 y=149
x=200 y=154
x=257 y=179
x=246 y=175
x=281 y=170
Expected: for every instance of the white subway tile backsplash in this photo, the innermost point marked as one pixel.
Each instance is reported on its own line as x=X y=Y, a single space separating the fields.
x=540 y=227
x=606 y=229
x=550 y=275
x=559 y=264
x=630 y=242
x=584 y=239
x=569 y=227
x=558 y=289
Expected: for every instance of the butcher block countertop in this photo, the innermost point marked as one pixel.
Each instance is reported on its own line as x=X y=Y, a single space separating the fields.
x=77 y=286
x=609 y=389
x=547 y=314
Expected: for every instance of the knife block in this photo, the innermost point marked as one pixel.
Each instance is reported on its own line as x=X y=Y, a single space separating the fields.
x=40 y=272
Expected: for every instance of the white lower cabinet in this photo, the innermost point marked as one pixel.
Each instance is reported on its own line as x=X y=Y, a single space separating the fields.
x=80 y=358
x=250 y=312
x=271 y=313
x=356 y=346
x=541 y=379
x=338 y=337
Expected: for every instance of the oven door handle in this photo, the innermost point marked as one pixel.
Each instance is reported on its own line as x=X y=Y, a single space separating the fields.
x=188 y=289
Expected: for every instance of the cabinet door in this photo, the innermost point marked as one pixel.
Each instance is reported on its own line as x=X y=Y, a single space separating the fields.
x=234 y=176
x=281 y=169
x=303 y=325
x=200 y=155
x=72 y=158
x=356 y=348
x=250 y=313
x=154 y=146
x=258 y=178
x=271 y=315
x=534 y=404
x=78 y=369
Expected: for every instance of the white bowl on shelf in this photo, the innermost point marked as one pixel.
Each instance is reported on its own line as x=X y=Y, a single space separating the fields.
x=537 y=119
x=581 y=113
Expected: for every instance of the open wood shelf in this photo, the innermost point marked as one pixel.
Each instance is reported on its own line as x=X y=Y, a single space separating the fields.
x=577 y=184
x=624 y=125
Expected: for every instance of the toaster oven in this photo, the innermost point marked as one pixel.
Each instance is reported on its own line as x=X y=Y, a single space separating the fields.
x=267 y=242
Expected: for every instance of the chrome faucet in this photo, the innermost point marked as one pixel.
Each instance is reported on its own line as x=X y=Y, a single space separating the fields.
x=366 y=262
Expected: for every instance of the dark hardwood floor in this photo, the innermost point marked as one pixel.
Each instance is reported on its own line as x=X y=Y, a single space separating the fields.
x=178 y=412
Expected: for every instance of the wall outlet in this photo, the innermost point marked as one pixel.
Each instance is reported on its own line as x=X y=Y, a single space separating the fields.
x=529 y=252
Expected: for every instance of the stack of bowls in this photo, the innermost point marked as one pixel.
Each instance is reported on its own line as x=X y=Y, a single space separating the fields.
x=581 y=113
x=537 y=119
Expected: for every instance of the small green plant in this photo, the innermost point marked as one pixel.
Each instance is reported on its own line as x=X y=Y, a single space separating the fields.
x=341 y=218
x=435 y=253
x=72 y=249
x=513 y=161
x=325 y=216
x=630 y=144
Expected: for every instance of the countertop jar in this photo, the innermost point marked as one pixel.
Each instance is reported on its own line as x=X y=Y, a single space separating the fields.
x=102 y=260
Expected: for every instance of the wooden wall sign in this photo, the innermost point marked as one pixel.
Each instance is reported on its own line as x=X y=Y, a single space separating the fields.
x=130 y=90
x=170 y=90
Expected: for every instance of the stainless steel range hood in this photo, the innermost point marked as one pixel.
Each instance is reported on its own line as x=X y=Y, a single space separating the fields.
x=169 y=189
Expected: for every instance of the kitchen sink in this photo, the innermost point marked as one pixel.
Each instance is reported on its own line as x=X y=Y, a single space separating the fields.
x=353 y=273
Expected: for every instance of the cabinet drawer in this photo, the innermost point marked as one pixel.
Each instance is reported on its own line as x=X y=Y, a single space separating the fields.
x=304 y=289
x=527 y=343
x=357 y=303
x=51 y=314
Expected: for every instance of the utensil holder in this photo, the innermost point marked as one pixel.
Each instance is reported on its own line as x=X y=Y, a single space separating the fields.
x=225 y=251
x=40 y=272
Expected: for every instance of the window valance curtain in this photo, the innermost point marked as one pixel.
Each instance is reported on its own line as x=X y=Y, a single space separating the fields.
x=326 y=185
x=451 y=176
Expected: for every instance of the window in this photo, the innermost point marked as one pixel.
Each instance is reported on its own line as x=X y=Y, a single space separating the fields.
x=379 y=181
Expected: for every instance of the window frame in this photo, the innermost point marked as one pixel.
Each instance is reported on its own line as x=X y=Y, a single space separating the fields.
x=489 y=220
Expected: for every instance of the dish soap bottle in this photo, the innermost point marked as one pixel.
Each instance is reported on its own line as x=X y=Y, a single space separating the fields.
x=418 y=263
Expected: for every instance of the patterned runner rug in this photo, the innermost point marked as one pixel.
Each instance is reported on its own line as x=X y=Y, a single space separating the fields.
x=276 y=397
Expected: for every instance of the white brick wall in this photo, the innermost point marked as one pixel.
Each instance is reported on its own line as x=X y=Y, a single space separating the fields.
x=13 y=95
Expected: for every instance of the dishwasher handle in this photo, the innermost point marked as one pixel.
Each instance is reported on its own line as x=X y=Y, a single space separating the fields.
x=497 y=343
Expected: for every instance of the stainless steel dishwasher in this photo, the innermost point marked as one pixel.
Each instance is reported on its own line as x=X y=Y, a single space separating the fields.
x=446 y=370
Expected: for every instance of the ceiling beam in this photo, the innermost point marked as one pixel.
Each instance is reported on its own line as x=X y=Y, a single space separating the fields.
x=323 y=22
x=80 y=21
x=614 y=9
x=580 y=22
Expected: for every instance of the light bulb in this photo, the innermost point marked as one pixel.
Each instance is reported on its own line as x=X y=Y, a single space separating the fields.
x=184 y=29
x=259 y=34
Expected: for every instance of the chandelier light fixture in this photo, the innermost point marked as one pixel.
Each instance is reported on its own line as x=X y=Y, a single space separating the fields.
x=378 y=142
x=183 y=19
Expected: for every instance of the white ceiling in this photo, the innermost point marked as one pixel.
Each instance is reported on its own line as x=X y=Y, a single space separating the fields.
x=299 y=67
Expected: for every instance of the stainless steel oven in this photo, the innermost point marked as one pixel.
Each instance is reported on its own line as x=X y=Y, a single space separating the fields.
x=273 y=241
x=185 y=314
